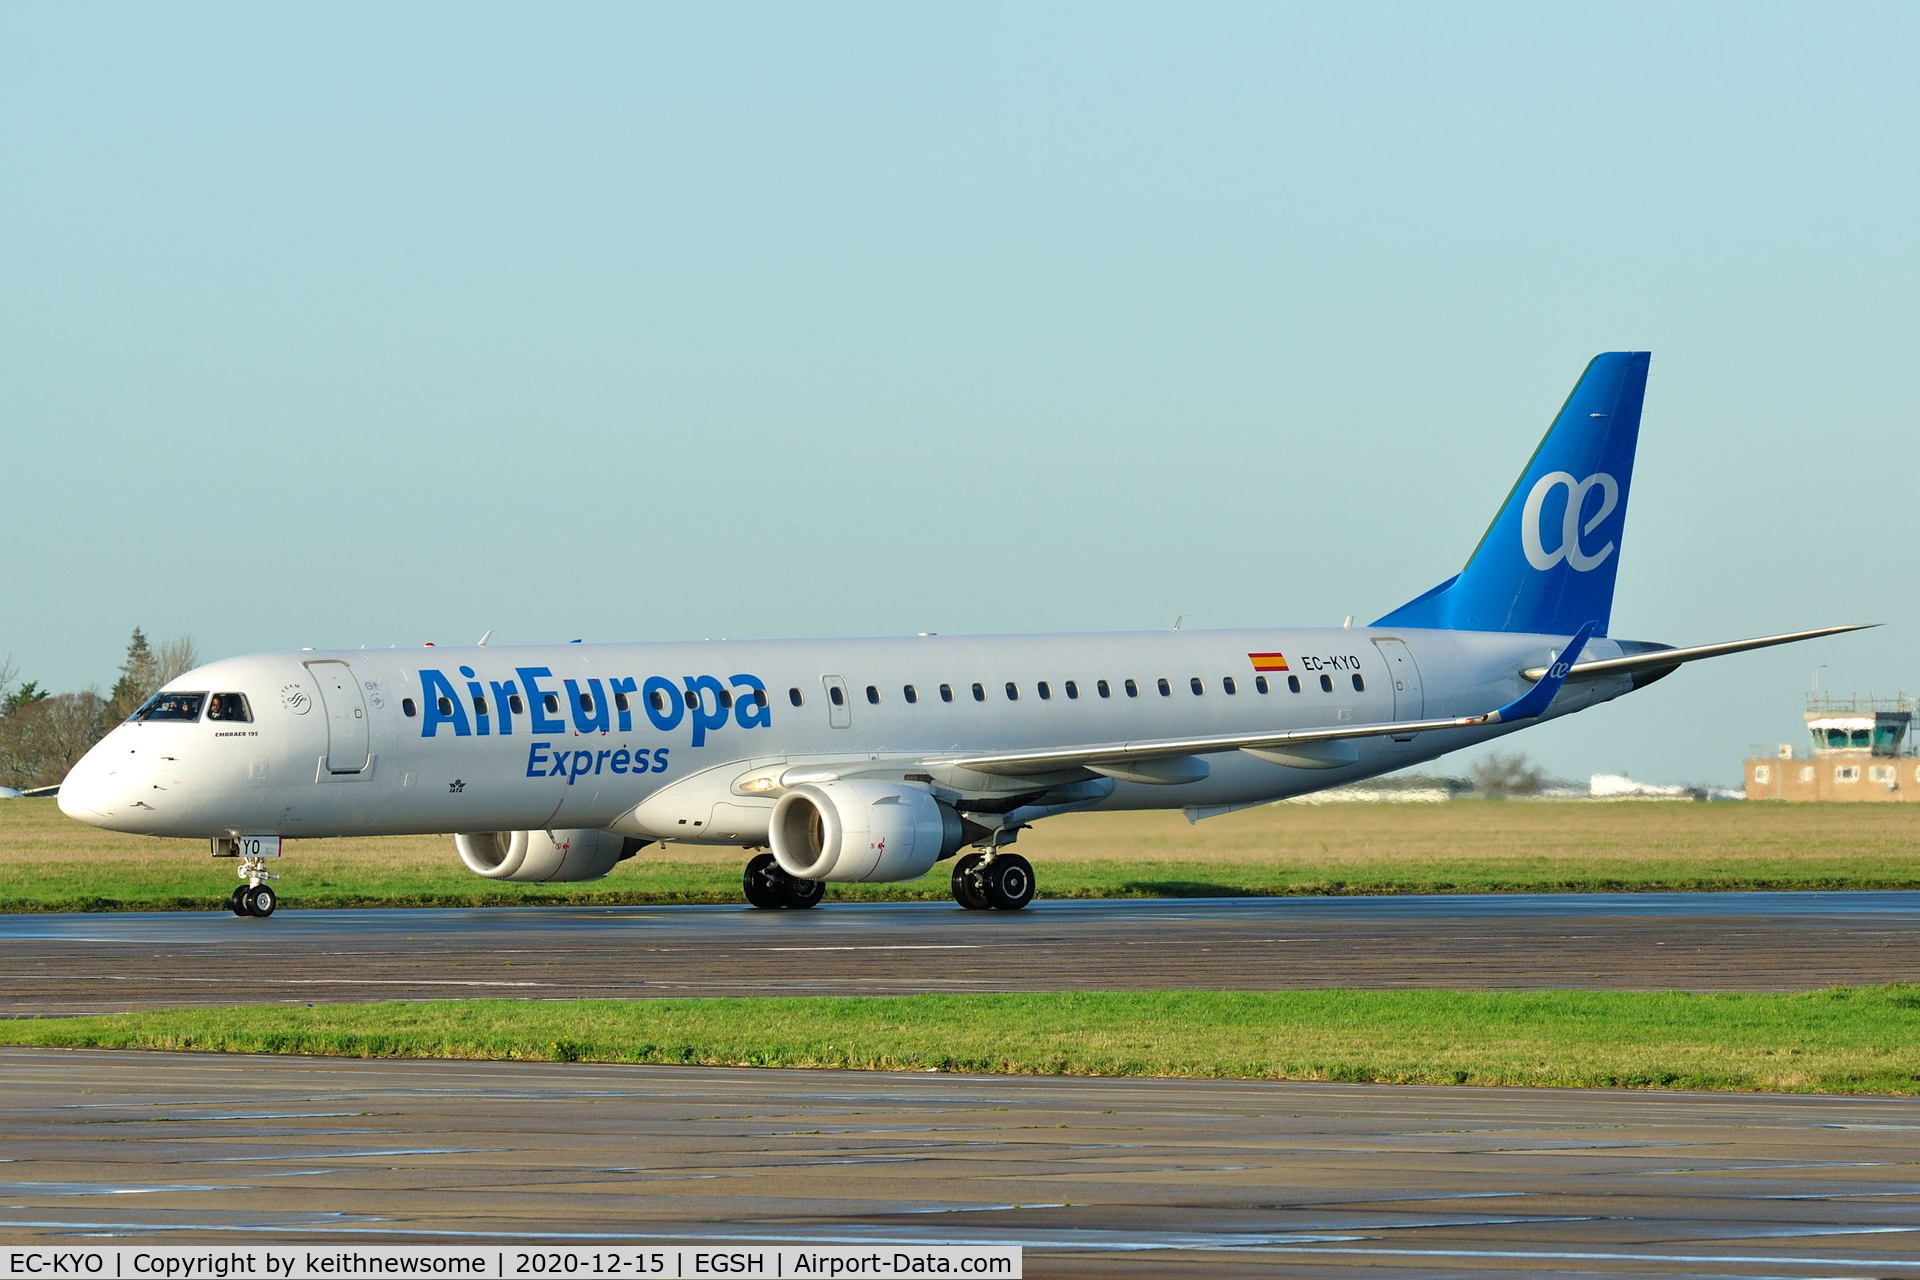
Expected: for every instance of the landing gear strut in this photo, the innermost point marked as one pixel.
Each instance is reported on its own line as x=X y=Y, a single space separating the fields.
x=253 y=898
x=768 y=887
x=992 y=880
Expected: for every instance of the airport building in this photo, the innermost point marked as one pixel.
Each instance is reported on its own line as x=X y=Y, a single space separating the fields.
x=1856 y=749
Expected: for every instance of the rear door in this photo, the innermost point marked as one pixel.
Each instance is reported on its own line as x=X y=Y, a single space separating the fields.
x=1409 y=696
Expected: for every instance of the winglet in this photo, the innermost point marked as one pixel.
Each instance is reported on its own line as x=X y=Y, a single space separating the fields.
x=1535 y=700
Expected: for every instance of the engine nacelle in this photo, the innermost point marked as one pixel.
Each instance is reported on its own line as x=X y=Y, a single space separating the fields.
x=861 y=830
x=544 y=855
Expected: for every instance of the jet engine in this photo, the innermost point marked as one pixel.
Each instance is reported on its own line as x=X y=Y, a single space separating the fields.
x=860 y=829
x=544 y=855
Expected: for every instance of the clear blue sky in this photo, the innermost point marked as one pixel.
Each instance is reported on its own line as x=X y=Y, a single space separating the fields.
x=370 y=324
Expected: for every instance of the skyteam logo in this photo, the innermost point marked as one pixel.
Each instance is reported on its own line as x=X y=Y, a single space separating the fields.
x=1573 y=529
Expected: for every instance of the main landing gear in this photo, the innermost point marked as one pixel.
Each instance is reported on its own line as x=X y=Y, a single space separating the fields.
x=768 y=887
x=992 y=880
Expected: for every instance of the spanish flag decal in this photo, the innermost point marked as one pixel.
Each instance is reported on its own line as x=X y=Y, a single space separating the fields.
x=1268 y=661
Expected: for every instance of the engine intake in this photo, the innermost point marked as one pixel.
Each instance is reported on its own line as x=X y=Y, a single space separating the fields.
x=541 y=856
x=862 y=830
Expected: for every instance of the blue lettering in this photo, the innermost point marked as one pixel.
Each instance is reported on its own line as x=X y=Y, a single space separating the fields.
x=621 y=759
x=536 y=759
x=582 y=761
x=660 y=760
x=621 y=687
x=751 y=709
x=594 y=721
x=707 y=711
x=479 y=697
x=537 y=700
x=663 y=703
x=504 y=693
x=436 y=691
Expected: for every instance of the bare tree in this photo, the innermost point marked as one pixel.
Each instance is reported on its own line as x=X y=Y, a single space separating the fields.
x=174 y=658
x=41 y=740
x=1506 y=775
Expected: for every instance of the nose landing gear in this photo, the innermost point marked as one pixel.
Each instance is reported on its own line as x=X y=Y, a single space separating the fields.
x=252 y=897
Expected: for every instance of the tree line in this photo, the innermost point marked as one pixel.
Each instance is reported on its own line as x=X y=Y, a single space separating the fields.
x=42 y=733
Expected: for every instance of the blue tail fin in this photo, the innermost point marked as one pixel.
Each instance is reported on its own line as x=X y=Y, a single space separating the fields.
x=1547 y=562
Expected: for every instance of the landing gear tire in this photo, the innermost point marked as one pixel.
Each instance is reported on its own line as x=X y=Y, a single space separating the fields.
x=258 y=901
x=969 y=886
x=233 y=900
x=768 y=887
x=803 y=893
x=761 y=881
x=1009 y=882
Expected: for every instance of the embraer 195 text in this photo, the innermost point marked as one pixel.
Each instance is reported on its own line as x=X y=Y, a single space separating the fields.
x=875 y=759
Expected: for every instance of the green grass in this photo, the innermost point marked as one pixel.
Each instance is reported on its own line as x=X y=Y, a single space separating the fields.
x=1850 y=1040
x=50 y=863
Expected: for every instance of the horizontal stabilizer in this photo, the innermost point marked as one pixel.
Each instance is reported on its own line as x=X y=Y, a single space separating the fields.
x=1664 y=660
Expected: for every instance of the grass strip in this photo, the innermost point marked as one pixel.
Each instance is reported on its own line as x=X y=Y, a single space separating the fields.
x=1844 y=1040
x=51 y=863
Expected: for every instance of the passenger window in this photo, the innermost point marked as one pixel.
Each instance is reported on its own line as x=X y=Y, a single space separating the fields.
x=1227 y=686
x=407 y=708
x=691 y=697
x=553 y=704
x=835 y=696
x=1104 y=689
x=171 y=706
x=480 y=706
x=1073 y=690
x=659 y=701
x=910 y=694
x=873 y=695
x=1326 y=684
x=946 y=693
x=1166 y=690
x=979 y=692
x=586 y=704
x=1260 y=684
x=519 y=707
x=620 y=701
x=445 y=706
x=1044 y=690
x=1359 y=685
x=793 y=696
x=1013 y=692
x=229 y=706
x=1133 y=690
x=724 y=698
x=760 y=699
x=1293 y=683
x=1196 y=686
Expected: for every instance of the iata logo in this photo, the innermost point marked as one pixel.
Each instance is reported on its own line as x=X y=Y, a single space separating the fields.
x=1568 y=547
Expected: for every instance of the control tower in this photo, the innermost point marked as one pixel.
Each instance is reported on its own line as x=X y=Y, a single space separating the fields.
x=1856 y=749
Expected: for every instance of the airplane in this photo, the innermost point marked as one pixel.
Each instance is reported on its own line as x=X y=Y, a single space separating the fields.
x=876 y=759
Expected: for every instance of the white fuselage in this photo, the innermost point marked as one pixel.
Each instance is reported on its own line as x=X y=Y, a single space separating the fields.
x=652 y=740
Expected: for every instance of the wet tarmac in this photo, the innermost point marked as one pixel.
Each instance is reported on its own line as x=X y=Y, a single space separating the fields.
x=58 y=964
x=1090 y=1177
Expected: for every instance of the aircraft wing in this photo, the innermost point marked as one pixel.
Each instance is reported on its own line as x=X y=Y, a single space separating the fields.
x=1664 y=660
x=1137 y=760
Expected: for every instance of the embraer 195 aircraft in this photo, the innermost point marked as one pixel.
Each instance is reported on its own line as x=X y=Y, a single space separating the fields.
x=875 y=759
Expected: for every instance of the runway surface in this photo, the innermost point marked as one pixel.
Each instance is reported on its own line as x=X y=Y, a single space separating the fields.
x=1091 y=1177
x=53 y=965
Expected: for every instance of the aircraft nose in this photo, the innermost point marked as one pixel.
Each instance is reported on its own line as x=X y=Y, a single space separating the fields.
x=86 y=793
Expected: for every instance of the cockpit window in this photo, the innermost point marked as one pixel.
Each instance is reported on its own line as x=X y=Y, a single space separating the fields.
x=171 y=706
x=230 y=706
